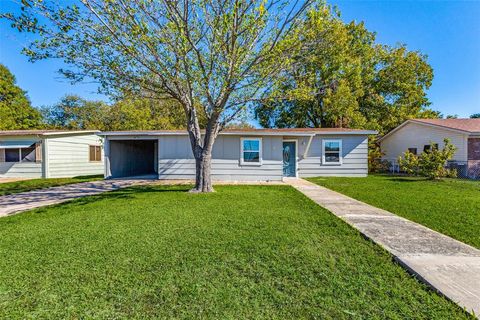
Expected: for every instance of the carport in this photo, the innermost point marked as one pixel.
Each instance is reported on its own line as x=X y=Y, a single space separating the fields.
x=130 y=158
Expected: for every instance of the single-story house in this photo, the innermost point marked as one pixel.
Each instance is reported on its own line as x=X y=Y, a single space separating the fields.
x=50 y=153
x=418 y=135
x=240 y=154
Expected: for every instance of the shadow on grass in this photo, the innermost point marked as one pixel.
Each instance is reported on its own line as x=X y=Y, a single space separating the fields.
x=120 y=194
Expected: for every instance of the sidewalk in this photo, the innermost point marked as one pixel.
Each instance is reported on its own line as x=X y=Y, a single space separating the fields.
x=447 y=265
x=18 y=202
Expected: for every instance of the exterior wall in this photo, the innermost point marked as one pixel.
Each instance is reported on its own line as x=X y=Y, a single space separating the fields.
x=176 y=160
x=354 y=157
x=68 y=156
x=19 y=169
x=414 y=135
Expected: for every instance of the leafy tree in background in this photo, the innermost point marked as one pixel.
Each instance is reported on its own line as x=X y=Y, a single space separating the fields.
x=76 y=113
x=73 y=112
x=16 y=112
x=212 y=57
x=475 y=116
x=339 y=77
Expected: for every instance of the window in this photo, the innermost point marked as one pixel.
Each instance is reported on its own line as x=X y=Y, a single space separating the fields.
x=12 y=155
x=95 y=153
x=251 y=151
x=332 y=152
x=20 y=154
x=412 y=150
x=427 y=147
x=28 y=154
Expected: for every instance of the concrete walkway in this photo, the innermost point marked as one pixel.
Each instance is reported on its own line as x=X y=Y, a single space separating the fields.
x=447 y=265
x=18 y=202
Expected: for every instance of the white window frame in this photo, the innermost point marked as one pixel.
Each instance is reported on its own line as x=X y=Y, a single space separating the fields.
x=260 y=147
x=340 y=158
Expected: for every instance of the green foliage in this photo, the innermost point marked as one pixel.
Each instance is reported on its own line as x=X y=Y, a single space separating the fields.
x=73 y=112
x=449 y=206
x=243 y=252
x=339 y=77
x=475 y=116
x=431 y=163
x=409 y=163
x=375 y=162
x=16 y=112
x=211 y=57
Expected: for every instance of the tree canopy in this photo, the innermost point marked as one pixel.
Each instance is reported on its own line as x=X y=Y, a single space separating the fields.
x=16 y=112
x=212 y=57
x=74 y=112
x=340 y=77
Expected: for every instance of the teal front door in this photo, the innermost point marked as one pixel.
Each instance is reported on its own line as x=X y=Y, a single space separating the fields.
x=289 y=159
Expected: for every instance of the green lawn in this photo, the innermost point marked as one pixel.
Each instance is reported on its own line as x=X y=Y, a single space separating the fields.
x=28 y=185
x=449 y=206
x=241 y=252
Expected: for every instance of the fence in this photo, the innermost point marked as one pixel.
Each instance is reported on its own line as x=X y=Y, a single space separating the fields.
x=465 y=169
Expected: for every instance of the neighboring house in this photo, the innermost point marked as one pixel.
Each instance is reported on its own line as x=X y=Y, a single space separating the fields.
x=240 y=154
x=417 y=135
x=50 y=153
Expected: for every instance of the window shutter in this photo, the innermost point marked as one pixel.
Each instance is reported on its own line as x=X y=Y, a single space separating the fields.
x=98 y=153
x=38 y=152
x=91 y=153
x=2 y=155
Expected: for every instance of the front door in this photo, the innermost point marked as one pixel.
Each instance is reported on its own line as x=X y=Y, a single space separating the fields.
x=289 y=159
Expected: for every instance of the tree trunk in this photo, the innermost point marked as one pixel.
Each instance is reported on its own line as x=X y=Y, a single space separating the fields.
x=203 y=181
x=202 y=146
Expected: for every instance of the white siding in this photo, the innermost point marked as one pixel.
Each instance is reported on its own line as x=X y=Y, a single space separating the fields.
x=354 y=153
x=68 y=156
x=414 y=135
x=20 y=170
x=176 y=159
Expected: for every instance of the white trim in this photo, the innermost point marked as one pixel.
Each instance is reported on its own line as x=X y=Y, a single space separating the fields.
x=260 y=147
x=468 y=133
x=237 y=133
x=45 y=159
x=296 y=154
x=340 y=157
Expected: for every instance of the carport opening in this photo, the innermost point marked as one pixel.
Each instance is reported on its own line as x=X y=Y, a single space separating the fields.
x=129 y=158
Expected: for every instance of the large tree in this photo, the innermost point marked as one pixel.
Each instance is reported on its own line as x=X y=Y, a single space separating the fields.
x=340 y=77
x=16 y=112
x=215 y=54
x=74 y=112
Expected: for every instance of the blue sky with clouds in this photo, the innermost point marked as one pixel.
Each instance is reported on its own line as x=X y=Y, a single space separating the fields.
x=447 y=31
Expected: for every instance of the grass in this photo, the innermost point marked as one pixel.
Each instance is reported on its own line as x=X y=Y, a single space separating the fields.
x=241 y=252
x=33 y=184
x=449 y=206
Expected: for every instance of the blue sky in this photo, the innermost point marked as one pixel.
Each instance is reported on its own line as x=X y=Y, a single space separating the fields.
x=447 y=31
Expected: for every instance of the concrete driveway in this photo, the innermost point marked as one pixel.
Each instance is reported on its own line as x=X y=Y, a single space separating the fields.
x=19 y=202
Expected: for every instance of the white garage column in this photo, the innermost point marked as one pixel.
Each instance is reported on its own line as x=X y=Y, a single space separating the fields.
x=157 y=158
x=106 y=154
x=45 y=158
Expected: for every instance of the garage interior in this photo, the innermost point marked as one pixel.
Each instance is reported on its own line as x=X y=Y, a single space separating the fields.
x=133 y=158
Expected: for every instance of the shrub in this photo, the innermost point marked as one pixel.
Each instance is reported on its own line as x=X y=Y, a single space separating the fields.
x=375 y=162
x=431 y=163
x=409 y=163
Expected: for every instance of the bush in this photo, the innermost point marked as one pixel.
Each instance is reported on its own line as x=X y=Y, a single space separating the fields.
x=409 y=163
x=431 y=163
x=375 y=162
